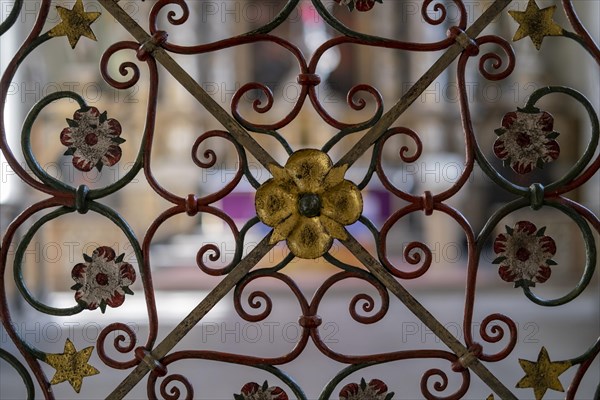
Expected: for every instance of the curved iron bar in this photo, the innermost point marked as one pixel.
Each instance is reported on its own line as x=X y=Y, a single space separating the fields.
x=88 y=194
x=12 y=17
x=30 y=44
x=328 y=390
x=376 y=40
x=370 y=170
x=21 y=370
x=472 y=145
x=355 y=105
x=591 y=253
x=33 y=40
x=143 y=159
x=259 y=35
x=586 y=39
x=254 y=299
x=308 y=84
x=277 y=20
x=118 y=344
x=406 y=158
x=30 y=353
x=81 y=199
x=410 y=254
x=498 y=331
x=584 y=361
x=368 y=305
x=562 y=185
x=175 y=393
x=323 y=12
x=311 y=322
x=19 y=279
x=590 y=261
x=474 y=152
x=267 y=364
x=211 y=158
x=575 y=176
x=18 y=271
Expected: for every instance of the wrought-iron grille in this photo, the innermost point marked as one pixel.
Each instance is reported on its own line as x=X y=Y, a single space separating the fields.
x=308 y=202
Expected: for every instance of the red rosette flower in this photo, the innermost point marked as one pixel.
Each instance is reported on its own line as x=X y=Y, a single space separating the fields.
x=360 y=5
x=526 y=140
x=524 y=254
x=103 y=279
x=254 y=391
x=374 y=390
x=92 y=139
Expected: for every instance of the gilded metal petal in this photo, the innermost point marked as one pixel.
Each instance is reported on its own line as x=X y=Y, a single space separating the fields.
x=335 y=229
x=335 y=176
x=343 y=203
x=283 y=229
x=308 y=168
x=274 y=203
x=280 y=174
x=309 y=239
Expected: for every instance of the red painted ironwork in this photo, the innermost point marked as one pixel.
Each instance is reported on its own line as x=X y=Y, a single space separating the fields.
x=149 y=357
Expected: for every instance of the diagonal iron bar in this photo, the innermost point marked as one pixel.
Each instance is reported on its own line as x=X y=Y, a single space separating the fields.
x=386 y=121
x=244 y=138
x=190 y=84
x=192 y=318
x=153 y=358
x=426 y=317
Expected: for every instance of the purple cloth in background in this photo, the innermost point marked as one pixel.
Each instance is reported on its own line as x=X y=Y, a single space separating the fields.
x=240 y=205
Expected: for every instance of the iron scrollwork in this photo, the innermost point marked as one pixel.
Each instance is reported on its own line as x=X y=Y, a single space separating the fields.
x=314 y=188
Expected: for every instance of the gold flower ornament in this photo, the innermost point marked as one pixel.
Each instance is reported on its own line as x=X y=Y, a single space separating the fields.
x=308 y=203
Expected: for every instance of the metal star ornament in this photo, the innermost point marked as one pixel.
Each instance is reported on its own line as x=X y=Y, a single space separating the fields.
x=72 y=365
x=75 y=23
x=536 y=23
x=543 y=374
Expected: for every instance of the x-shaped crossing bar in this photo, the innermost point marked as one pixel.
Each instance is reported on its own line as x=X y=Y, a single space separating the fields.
x=246 y=140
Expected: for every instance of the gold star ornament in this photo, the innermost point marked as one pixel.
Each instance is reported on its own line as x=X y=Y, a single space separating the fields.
x=543 y=374
x=75 y=23
x=536 y=23
x=72 y=365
